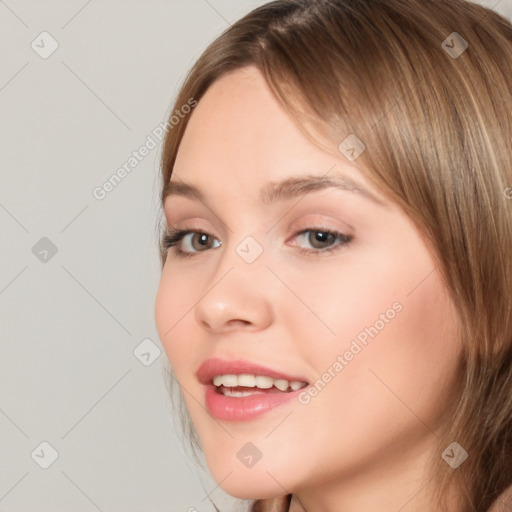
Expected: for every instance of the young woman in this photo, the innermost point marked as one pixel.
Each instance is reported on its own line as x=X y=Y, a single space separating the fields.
x=336 y=289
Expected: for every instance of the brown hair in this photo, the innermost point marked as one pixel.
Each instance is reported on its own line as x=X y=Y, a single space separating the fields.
x=437 y=126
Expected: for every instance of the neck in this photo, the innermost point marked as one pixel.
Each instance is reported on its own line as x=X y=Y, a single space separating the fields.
x=401 y=485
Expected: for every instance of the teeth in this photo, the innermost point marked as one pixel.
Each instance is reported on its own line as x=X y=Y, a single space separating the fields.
x=295 y=385
x=258 y=381
x=237 y=394
x=281 y=384
x=264 y=382
x=246 y=380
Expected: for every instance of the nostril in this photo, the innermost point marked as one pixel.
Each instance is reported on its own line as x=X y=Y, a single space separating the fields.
x=238 y=322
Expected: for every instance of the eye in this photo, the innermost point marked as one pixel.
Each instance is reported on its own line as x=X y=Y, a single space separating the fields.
x=188 y=242
x=321 y=240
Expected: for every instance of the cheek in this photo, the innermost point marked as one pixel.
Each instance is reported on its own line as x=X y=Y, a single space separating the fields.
x=174 y=300
x=396 y=365
x=396 y=332
x=365 y=287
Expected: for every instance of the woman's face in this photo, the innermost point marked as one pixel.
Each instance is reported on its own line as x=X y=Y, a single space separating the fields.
x=327 y=285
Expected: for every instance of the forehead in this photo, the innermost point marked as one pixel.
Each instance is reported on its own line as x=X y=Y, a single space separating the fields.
x=240 y=140
x=239 y=125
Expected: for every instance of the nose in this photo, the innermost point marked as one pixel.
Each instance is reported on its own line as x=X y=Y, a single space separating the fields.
x=237 y=298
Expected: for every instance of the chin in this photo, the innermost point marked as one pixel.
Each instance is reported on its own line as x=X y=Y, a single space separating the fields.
x=248 y=483
x=251 y=488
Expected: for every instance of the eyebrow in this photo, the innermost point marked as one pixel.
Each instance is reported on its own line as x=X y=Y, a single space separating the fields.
x=286 y=189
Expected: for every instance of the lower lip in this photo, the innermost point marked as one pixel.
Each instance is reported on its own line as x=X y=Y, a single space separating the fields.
x=244 y=408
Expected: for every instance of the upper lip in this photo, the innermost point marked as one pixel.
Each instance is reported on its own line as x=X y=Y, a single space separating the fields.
x=214 y=366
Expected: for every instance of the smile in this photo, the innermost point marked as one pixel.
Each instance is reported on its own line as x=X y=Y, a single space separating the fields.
x=262 y=382
x=243 y=390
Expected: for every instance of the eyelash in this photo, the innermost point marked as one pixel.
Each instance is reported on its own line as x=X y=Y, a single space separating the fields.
x=172 y=238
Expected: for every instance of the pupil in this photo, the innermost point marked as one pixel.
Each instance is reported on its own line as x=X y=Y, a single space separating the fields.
x=320 y=237
x=200 y=241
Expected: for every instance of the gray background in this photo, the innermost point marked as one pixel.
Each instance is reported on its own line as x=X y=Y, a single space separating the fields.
x=71 y=321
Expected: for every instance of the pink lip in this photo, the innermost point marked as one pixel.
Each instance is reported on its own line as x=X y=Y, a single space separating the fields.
x=246 y=408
